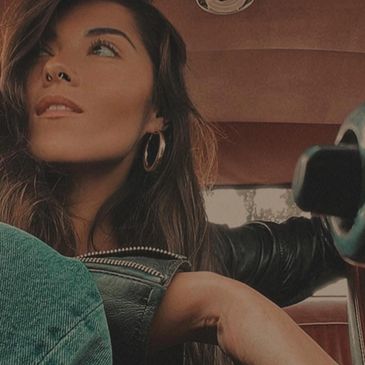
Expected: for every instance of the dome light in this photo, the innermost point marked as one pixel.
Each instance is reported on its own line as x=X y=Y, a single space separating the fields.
x=224 y=7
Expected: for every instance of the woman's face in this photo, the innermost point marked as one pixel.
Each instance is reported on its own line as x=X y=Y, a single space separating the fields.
x=89 y=94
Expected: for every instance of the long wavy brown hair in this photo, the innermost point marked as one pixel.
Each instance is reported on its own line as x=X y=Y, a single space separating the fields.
x=164 y=208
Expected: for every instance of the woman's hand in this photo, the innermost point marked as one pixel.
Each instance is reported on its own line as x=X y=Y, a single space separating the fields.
x=210 y=308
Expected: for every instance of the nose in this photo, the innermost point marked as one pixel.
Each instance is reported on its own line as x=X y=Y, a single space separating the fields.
x=57 y=72
x=61 y=76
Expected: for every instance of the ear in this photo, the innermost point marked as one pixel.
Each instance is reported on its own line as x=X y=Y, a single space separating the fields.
x=154 y=123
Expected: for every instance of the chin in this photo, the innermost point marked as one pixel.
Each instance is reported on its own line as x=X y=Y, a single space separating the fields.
x=57 y=154
x=73 y=156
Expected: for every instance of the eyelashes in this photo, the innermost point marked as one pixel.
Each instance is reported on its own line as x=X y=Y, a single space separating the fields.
x=102 y=47
x=98 y=47
x=44 y=50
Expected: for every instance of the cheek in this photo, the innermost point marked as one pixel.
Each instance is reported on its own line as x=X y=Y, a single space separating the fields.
x=34 y=75
x=110 y=128
x=89 y=139
x=78 y=144
x=32 y=84
x=121 y=110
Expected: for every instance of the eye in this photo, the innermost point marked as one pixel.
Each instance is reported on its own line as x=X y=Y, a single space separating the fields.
x=103 y=48
x=44 y=50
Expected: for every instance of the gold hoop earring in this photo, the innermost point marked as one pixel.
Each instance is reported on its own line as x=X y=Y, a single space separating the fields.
x=159 y=154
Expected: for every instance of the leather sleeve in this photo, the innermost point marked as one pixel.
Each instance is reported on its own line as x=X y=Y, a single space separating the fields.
x=286 y=262
x=131 y=294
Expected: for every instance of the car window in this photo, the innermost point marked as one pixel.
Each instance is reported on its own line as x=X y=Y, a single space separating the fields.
x=237 y=206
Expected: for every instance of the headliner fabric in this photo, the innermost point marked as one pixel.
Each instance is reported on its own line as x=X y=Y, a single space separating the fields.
x=289 y=63
x=258 y=153
x=277 y=86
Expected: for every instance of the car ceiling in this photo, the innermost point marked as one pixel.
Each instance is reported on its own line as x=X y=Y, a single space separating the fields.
x=276 y=78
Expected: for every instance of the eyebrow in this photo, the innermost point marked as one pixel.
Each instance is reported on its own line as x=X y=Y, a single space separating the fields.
x=101 y=31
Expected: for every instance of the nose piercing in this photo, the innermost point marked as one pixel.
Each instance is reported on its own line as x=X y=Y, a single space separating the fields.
x=63 y=76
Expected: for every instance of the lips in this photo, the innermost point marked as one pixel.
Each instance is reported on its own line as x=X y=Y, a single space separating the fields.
x=56 y=104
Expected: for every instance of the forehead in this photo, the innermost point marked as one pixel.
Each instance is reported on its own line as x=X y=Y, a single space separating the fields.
x=77 y=19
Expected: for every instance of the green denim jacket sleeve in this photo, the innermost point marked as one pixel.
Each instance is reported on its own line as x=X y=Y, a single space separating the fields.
x=51 y=311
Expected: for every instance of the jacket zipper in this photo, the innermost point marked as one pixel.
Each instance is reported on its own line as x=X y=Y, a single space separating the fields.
x=94 y=257
x=124 y=263
x=132 y=249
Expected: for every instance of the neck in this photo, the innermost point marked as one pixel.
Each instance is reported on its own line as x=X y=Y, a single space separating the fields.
x=92 y=185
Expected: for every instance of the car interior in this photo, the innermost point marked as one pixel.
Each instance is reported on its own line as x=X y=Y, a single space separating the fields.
x=276 y=77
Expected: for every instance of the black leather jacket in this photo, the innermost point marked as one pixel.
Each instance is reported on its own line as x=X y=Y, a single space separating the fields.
x=286 y=262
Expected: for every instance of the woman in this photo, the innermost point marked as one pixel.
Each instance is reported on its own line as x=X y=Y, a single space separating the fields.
x=88 y=92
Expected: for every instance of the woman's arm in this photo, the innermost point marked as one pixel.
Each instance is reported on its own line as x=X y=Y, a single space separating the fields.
x=210 y=308
x=286 y=262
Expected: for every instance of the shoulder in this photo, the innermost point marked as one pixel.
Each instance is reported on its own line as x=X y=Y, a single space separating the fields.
x=133 y=284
